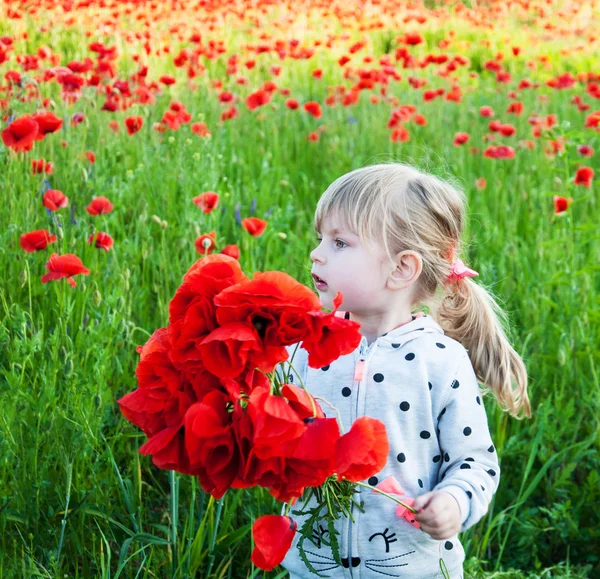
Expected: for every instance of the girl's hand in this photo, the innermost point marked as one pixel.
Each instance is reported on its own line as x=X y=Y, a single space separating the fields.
x=438 y=514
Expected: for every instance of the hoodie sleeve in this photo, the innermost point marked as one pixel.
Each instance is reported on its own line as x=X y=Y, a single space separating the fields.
x=470 y=471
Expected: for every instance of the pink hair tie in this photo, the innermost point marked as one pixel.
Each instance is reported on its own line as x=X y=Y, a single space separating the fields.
x=460 y=270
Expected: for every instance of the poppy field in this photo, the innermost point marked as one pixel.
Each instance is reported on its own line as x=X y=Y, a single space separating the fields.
x=141 y=136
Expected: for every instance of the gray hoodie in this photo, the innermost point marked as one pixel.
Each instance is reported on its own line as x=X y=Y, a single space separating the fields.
x=421 y=384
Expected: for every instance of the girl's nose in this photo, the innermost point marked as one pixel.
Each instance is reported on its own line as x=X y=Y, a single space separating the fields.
x=315 y=255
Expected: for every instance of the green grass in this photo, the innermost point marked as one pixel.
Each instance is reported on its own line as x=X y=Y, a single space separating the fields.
x=76 y=498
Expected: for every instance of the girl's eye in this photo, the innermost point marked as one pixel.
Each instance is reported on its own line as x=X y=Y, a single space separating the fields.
x=342 y=242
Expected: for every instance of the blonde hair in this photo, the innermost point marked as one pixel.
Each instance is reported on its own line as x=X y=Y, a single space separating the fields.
x=400 y=207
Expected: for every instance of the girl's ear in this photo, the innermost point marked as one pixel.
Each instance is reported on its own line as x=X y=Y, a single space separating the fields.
x=409 y=266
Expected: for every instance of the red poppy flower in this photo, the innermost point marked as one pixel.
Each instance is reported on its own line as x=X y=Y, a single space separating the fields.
x=36 y=240
x=499 y=152
x=584 y=176
x=486 y=111
x=210 y=443
x=133 y=124
x=99 y=205
x=292 y=104
x=66 y=265
x=54 y=200
x=167 y=79
x=363 y=451
x=273 y=536
x=515 y=108
x=232 y=251
x=330 y=336
x=207 y=201
x=313 y=137
x=585 y=150
x=21 y=134
x=102 y=240
x=200 y=129
x=561 y=204
x=48 y=123
x=258 y=99
x=90 y=156
x=192 y=313
x=313 y=108
x=461 y=139
x=592 y=121
x=41 y=166
x=481 y=183
x=206 y=243
x=254 y=226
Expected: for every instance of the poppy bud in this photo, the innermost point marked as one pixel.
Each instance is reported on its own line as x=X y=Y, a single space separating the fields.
x=157 y=219
x=60 y=233
x=282 y=235
x=68 y=368
x=96 y=298
x=23 y=277
x=163 y=224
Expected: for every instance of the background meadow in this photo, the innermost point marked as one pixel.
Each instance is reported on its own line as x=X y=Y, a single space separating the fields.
x=211 y=83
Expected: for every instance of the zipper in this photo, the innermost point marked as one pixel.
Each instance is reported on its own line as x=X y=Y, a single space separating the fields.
x=359 y=374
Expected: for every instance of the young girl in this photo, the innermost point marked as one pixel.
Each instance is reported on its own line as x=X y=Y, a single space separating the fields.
x=390 y=237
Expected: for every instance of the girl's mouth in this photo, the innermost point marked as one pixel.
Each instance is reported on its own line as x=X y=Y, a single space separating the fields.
x=320 y=283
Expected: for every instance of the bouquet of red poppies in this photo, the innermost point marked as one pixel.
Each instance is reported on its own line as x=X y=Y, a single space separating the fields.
x=212 y=406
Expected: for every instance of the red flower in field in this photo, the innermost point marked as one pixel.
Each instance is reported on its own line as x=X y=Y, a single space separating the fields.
x=232 y=251
x=413 y=38
x=258 y=99
x=330 y=336
x=585 y=150
x=313 y=108
x=102 y=240
x=77 y=119
x=317 y=73
x=41 y=166
x=206 y=243
x=133 y=124
x=200 y=129
x=592 y=121
x=461 y=139
x=507 y=130
x=36 y=240
x=400 y=135
x=314 y=137
x=584 y=176
x=47 y=123
x=66 y=266
x=561 y=204
x=21 y=134
x=481 y=183
x=114 y=126
x=254 y=226
x=499 y=152
x=54 y=200
x=207 y=201
x=167 y=79
x=90 y=156
x=99 y=205
x=292 y=104
x=515 y=108
x=486 y=111
x=363 y=451
x=273 y=536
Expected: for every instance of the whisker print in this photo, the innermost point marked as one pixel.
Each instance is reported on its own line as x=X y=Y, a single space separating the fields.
x=326 y=568
x=383 y=572
x=390 y=558
x=388 y=566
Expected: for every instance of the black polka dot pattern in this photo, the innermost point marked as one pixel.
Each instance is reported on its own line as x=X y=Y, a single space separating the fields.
x=491 y=472
x=446 y=457
x=401 y=457
x=291 y=377
x=455 y=384
x=464 y=465
x=442 y=346
x=378 y=377
x=467 y=431
x=346 y=391
x=409 y=357
x=478 y=400
x=404 y=406
x=325 y=368
x=491 y=448
x=373 y=481
x=395 y=345
x=437 y=458
x=470 y=494
x=430 y=386
x=425 y=435
x=448 y=545
x=420 y=483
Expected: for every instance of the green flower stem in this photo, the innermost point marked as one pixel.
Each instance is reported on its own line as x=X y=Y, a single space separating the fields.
x=387 y=495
